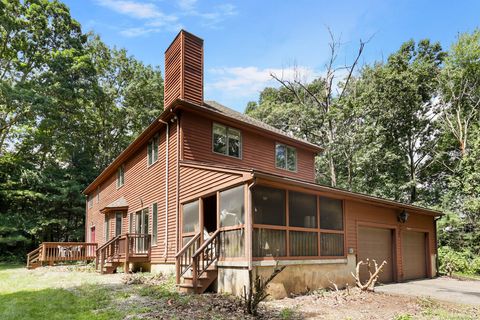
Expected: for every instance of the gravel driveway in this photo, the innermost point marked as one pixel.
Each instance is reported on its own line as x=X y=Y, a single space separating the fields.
x=443 y=288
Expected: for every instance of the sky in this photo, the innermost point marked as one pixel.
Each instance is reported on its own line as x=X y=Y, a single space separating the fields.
x=246 y=41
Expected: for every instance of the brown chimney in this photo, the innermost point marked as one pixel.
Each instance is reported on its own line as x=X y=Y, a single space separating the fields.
x=184 y=70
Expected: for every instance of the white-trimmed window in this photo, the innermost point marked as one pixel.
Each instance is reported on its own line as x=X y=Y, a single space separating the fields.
x=285 y=157
x=227 y=141
x=120 y=176
x=90 y=200
x=154 y=224
x=152 y=150
x=98 y=194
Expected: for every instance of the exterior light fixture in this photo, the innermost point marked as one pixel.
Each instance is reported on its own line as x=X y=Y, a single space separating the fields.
x=403 y=216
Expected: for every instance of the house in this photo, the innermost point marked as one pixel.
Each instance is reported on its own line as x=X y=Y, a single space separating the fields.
x=210 y=193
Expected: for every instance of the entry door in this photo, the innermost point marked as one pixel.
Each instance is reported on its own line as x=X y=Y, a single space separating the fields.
x=376 y=243
x=141 y=228
x=414 y=255
x=92 y=234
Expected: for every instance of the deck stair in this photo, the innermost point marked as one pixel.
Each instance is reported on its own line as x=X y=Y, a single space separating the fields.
x=197 y=264
x=121 y=251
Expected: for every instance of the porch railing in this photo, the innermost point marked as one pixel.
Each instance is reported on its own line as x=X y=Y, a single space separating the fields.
x=185 y=255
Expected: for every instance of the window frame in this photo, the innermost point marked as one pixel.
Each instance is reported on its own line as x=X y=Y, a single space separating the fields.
x=227 y=128
x=288 y=228
x=153 y=144
x=154 y=241
x=121 y=176
x=118 y=214
x=90 y=201
x=287 y=147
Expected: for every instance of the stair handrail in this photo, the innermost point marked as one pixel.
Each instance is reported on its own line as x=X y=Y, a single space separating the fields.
x=32 y=254
x=101 y=250
x=185 y=247
x=200 y=265
x=182 y=255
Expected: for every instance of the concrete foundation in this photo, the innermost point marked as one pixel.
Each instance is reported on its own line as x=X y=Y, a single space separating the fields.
x=165 y=268
x=299 y=276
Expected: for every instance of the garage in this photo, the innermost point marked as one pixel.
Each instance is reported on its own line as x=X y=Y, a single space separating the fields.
x=377 y=244
x=414 y=255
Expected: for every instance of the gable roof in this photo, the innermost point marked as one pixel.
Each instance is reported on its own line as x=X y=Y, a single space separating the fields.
x=212 y=107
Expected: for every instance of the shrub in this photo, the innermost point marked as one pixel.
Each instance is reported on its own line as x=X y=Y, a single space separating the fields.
x=457 y=261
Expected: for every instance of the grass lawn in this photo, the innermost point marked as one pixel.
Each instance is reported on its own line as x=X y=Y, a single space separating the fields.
x=78 y=293
x=63 y=293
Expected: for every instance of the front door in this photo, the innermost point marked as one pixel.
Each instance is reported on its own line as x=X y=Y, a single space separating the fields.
x=141 y=229
x=92 y=234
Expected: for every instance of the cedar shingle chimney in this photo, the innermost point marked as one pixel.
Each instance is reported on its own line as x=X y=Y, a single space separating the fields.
x=184 y=70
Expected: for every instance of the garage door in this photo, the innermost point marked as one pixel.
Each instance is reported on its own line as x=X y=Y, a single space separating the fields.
x=376 y=243
x=414 y=256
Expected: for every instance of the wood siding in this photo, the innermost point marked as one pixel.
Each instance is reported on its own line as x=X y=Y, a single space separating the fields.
x=258 y=151
x=365 y=214
x=184 y=70
x=144 y=185
x=195 y=182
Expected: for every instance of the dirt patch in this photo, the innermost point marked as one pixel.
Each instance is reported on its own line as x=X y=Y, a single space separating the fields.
x=355 y=304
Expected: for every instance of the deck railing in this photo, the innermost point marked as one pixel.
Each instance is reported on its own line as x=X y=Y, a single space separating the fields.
x=185 y=255
x=52 y=252
x=123 y=247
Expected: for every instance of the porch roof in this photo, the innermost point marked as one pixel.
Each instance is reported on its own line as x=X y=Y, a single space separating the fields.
x=120 y=204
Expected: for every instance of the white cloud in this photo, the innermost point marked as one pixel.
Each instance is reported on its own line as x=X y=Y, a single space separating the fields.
x=133 y=9
x=155 y=19
x=187 y=4
x=248 y=81
x=209 y=18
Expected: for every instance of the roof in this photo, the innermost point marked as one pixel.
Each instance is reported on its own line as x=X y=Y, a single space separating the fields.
x=209 y=106
x=230 y=113
x=119 y=204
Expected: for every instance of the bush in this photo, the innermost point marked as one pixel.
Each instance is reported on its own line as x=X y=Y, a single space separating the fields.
x=452 y=261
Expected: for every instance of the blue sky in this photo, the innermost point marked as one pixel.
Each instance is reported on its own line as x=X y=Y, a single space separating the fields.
x=247 y=40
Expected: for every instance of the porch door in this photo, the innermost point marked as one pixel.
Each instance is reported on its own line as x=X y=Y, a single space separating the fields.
x=141 y=229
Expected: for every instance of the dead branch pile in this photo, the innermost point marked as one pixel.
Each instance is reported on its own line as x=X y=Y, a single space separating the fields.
x=370 y=284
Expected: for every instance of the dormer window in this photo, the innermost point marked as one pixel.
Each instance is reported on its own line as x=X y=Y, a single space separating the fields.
x=152 y=150
x=227 y=141
x=285 y=157
x=120 y=176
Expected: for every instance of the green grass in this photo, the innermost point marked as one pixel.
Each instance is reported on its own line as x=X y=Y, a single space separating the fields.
x=434 y=310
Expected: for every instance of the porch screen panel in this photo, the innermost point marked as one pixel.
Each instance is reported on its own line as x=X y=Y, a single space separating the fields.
x=232 y=243
x=331 y=214
x=190 y=217
x=232 y=206
x=268 y=206
x=331 y=244
x=269 y=243
x=303 y=243
x=302 y=210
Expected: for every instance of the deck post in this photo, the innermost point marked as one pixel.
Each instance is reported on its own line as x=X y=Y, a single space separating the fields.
x=194 y=274
x=127 y=253
x=44 y=252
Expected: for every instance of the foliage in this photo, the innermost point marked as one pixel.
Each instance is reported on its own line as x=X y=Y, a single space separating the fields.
x=407 y=128
x=69 y=105
x=452 y=261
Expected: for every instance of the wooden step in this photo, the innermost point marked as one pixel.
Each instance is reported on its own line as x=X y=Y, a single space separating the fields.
x=203 y=282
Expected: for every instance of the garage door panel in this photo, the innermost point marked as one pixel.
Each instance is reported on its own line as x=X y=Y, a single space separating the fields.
x=414 y=259
x=376 y=244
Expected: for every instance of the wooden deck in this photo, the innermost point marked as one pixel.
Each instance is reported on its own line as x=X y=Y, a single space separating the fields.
x=54 y=252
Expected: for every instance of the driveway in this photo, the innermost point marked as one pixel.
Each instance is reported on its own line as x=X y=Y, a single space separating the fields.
x=443 y=288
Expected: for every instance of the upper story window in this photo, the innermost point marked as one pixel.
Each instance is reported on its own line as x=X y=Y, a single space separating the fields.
x=152 y=150
x=90 y=201
x=227 y=141
x=120 y=176
x=285 y=157
x=98 y=194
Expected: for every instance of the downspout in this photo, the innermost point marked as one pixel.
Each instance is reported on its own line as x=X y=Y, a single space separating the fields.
x=437 y=262
x=250 y=223
x=165 y=241
x=177 y=187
